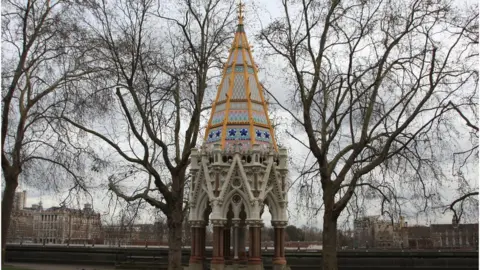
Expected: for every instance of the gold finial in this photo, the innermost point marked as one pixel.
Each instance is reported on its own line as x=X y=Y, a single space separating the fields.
x=241 y=5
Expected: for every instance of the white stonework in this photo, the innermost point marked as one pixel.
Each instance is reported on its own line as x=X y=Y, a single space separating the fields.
x=237 y=178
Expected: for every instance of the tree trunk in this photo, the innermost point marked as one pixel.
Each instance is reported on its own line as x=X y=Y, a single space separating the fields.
x=11 y=183
x=175 y=231
x=329 y=257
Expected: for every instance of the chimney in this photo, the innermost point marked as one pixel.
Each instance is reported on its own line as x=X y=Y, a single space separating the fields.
x=87 y=207
x=24 y=198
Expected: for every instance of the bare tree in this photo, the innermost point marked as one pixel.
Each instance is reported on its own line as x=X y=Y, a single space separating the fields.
x=371 y=81
x=468 y=113
x=42 y=53
x=160 y=59
x=118 y=228
x=468 y=195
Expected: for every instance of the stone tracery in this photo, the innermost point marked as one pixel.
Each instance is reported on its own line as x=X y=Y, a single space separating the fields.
x=233 y=183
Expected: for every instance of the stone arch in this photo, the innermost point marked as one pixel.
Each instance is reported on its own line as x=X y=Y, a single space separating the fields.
x=245 y=202
x=201 y=206
x=273 y=206
x=206 y=213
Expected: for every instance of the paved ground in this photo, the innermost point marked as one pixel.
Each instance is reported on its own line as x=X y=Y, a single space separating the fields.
x=39 y=266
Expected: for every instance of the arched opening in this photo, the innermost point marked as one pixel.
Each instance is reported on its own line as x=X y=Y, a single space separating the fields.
x=273 y=233
x=267 y=232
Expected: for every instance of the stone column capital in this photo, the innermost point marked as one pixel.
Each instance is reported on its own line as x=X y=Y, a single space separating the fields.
x=254 y=223
x=218 y=222
x=197 y=223
x=279 y=223
x=236 y=222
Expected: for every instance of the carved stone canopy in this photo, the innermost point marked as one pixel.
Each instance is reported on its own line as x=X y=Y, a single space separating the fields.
x=240 y=182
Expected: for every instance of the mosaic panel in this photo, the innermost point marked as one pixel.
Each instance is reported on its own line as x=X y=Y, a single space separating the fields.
x=218 y=118
x=259 y=117
x=239 y=57
x=214 y=135
x=257 y=107
x=224 y=89
x=220 y=107
x=238 y=106
x=238 y=116
x=239 y=91
x=263 y=134
x=230 y=60
x=253 y=88
x=240 y=41
x=237 y=133
x=233 y=144
x=239 y=69
x=249 y=60
x=265 y=145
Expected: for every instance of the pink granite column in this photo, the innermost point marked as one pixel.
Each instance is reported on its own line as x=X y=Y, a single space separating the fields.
x=242 y=254
x=255 y=249
x=279 y=260
x=218 y=261
x=196 y=254
x=202 y=244
x=226 y=245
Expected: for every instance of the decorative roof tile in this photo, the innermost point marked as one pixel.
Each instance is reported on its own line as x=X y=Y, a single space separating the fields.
x=239 y=112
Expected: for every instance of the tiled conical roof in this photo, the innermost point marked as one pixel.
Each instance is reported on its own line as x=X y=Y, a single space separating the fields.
x=239 y=113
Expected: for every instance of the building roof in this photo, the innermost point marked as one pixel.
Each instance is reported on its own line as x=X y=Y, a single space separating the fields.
x=418 y=232
x=239 y=113
x=449 y=227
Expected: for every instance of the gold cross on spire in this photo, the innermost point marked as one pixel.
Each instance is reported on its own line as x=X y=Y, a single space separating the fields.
x=241 y=6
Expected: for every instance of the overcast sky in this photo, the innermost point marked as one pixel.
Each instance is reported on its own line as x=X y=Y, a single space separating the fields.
x=258 y=14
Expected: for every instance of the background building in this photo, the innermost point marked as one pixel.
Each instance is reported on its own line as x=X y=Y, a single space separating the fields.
x=450 y=236
x=56 y=225
x=20 y=200
x=419 y=238
x=372 y=232
x=60 y=225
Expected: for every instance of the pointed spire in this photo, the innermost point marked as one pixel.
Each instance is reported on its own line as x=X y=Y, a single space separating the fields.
x=239 y=113
x=241 y=6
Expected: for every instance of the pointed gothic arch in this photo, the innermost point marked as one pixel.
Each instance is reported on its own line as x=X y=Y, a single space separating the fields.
x=202 y=205
x=229 y=200
x=273 y=206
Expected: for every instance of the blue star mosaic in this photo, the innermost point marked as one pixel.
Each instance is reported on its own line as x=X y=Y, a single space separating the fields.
x=214 y=135
x=232 y=132
x=243 y=132
x=263 y=135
